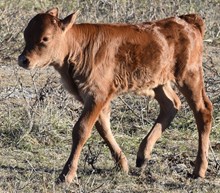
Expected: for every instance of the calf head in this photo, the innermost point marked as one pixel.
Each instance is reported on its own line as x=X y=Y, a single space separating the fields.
x=45 y=38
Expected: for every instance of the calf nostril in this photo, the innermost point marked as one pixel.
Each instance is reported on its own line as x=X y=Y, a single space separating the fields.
x=25 y=61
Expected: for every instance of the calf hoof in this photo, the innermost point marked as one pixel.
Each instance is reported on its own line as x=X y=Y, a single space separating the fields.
x=140 y=162
x=67 y=179
x=123 y=163
x=200 y=168
x=198 y=173
x=60 y=179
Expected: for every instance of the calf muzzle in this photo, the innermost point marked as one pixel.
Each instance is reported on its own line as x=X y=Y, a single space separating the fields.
x=23 y=61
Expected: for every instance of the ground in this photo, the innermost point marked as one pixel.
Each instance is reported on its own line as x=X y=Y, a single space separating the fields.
x=37 y=114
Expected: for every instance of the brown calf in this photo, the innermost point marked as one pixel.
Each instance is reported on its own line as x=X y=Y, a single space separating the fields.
x=97 y=62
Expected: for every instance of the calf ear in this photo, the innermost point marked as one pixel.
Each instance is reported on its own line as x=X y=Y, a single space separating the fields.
x=69 y=21
x=53 y=12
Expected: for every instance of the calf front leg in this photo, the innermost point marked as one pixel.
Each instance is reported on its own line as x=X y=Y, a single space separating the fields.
x=81 y=132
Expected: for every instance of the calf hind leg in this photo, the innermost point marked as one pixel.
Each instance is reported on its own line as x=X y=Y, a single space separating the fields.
x=169 y=105
x=195 y=95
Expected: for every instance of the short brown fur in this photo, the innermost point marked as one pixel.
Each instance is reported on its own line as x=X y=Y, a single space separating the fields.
x=97 y=62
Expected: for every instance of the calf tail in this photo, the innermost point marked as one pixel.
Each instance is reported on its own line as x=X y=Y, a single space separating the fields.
x=195 y=20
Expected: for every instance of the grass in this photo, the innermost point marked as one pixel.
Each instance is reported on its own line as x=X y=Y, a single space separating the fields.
x=36 y=114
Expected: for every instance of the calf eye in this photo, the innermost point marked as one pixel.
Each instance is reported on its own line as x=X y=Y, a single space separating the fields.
x=45 y=39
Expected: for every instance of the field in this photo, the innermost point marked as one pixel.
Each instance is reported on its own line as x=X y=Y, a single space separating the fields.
x=37 y=114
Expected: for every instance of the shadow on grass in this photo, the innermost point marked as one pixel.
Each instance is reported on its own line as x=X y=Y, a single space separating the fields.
x=22 y=169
